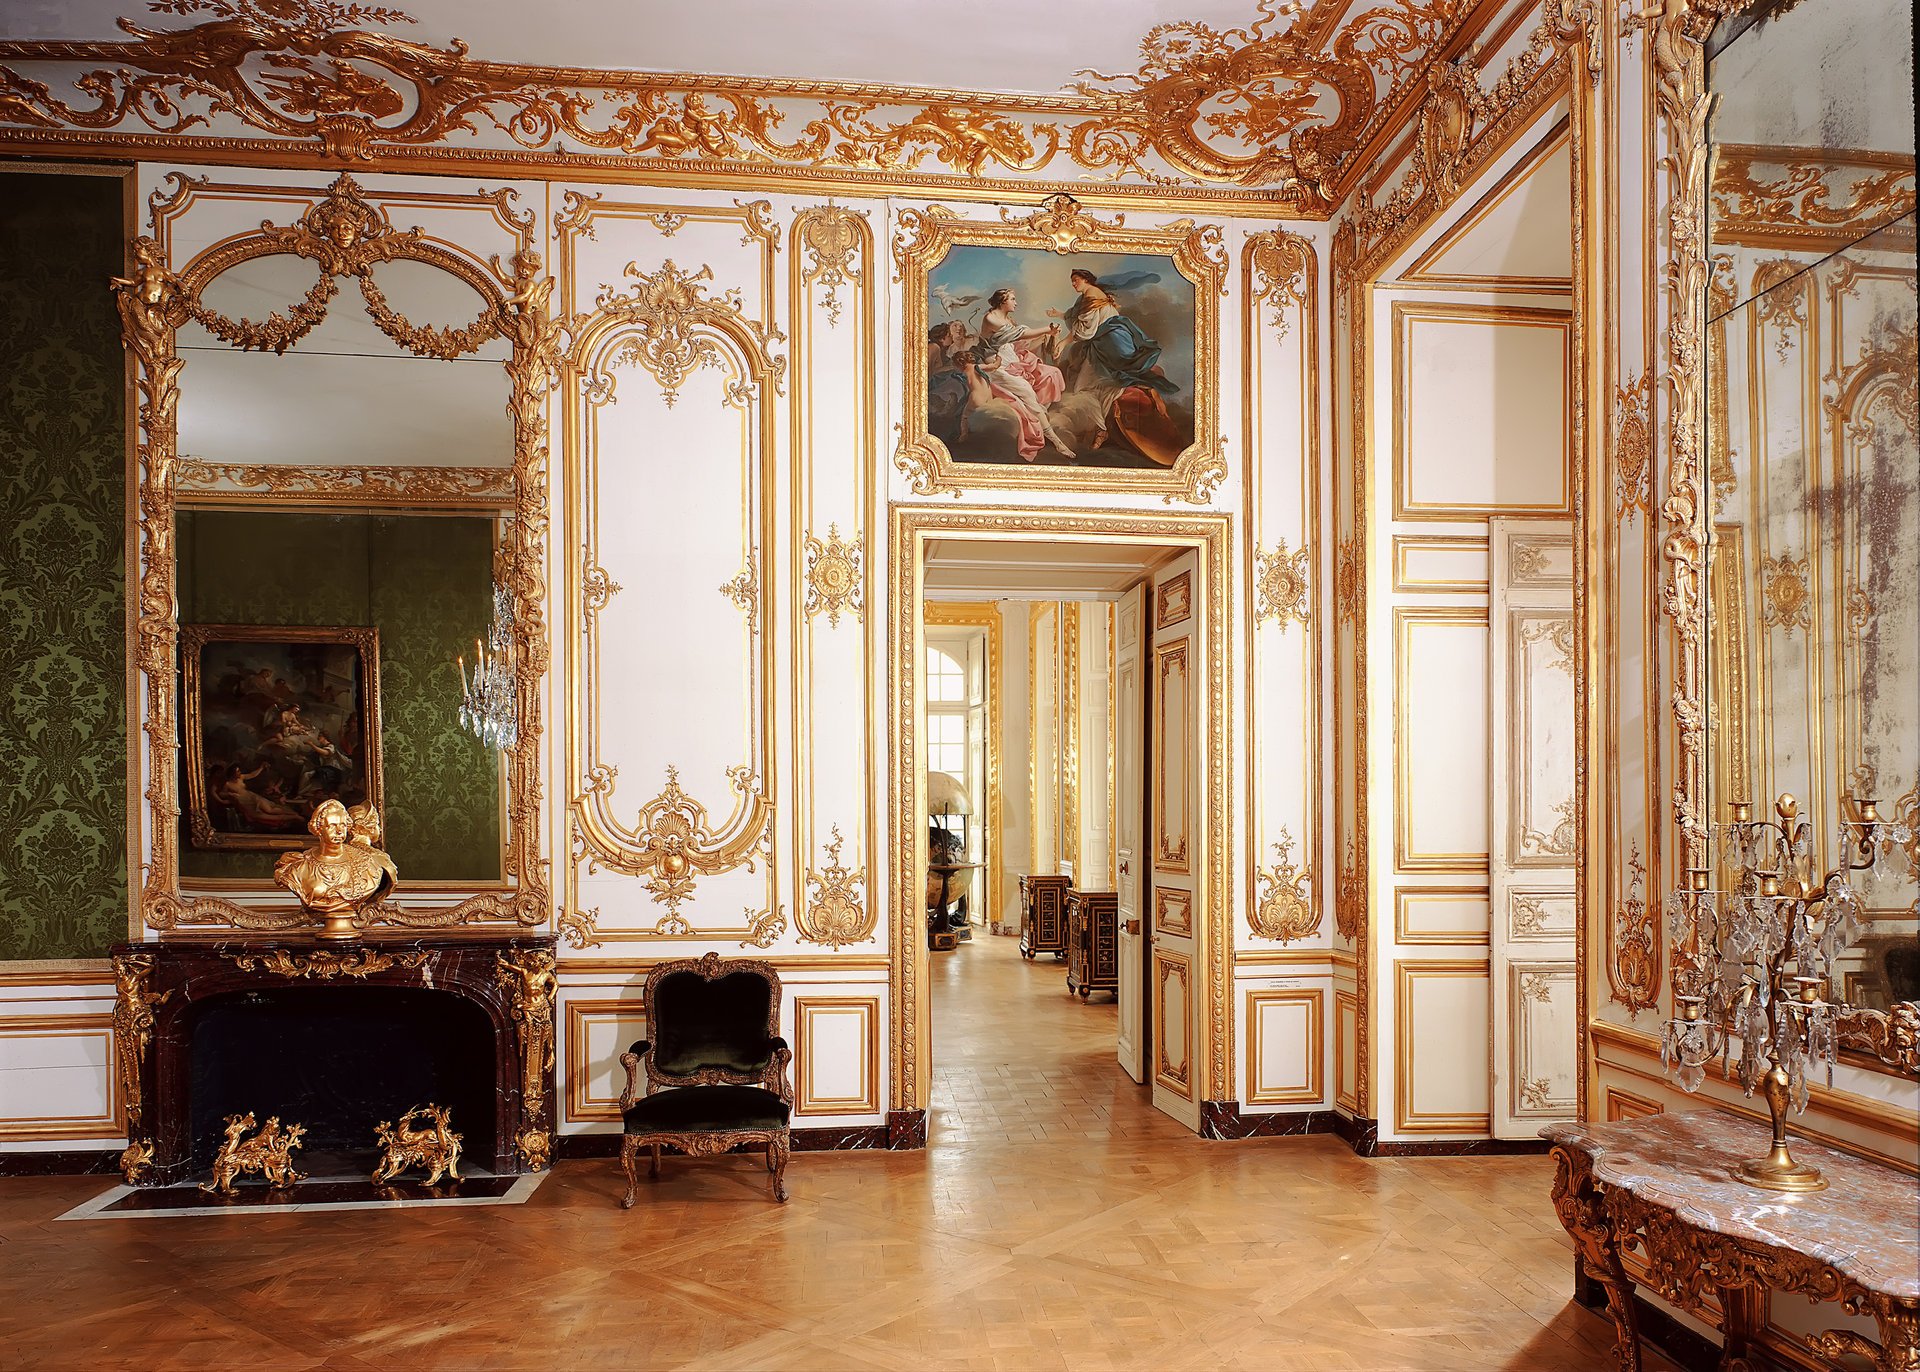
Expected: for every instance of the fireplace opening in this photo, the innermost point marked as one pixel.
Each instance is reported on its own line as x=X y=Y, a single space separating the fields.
x=339 y=1060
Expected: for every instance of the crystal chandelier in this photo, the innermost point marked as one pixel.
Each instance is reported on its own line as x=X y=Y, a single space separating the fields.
x=488 y=705
x=1752 y=963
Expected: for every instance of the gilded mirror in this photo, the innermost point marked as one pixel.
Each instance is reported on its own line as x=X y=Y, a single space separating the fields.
x=1812 y=467
x=342 y=525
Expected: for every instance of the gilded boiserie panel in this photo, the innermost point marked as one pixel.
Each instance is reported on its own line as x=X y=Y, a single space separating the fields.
x=675 y=324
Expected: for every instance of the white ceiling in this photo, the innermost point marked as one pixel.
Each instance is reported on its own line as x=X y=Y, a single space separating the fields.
x=939 y=43
x=1010 y=569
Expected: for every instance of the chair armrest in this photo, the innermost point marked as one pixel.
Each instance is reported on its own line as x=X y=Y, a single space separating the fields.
x=631 y=1060
x=777 y=1069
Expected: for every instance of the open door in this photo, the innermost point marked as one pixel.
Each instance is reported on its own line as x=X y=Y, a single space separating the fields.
x=1172 y=837
x=1535 y=1012
x=1129 y=723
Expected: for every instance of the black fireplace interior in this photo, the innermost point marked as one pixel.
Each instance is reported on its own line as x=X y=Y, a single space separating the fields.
x=339 y=1060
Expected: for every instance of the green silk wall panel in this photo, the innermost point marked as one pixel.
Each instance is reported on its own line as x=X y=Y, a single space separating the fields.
x=63 y=414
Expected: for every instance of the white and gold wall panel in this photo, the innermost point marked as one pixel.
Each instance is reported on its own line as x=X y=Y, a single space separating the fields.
x=1441 y=1078
x=1285 y=1043
x=57 y=1087
x=836 y=1052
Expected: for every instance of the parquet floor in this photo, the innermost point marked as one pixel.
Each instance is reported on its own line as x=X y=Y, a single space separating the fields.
x=1057 y=1222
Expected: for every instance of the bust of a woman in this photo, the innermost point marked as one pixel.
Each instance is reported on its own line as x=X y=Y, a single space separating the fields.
x=337 y=875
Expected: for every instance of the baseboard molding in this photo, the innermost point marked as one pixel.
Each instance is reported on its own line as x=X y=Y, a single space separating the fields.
x=73 y=1162
x=1224 y=1119
x=1363 y=1136
x=1689 y=1348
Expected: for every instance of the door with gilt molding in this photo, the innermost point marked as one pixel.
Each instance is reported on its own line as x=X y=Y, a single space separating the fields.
x=1129 y=722
x=1174 y=759
x=1532 y=876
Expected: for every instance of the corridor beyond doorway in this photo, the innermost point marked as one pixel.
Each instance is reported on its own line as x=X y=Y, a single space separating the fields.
x=1019 y=1060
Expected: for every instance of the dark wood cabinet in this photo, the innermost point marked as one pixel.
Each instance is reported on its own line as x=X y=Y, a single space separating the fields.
x=1093 y=942
x=1043 y=915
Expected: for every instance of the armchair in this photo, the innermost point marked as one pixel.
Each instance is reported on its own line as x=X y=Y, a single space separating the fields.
x=716 y=1068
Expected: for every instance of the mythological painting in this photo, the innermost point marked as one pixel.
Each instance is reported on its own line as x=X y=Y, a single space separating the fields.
x=1081 y=360
x=279 y=720
x=1062 y=350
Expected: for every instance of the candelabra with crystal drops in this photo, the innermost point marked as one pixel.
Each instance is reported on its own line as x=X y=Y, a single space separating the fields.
x=1751 y=963
x=489 y=705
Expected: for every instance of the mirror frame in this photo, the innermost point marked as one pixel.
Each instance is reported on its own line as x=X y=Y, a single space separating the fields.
x=344 y=235
x=1887 y=1040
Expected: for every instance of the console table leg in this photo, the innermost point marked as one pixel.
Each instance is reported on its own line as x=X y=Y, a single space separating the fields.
x=1899 y=1336
x=1578 y=1204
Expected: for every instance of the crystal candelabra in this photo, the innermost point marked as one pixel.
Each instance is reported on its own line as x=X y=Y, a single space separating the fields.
x=488 y=702
x=1751 y=963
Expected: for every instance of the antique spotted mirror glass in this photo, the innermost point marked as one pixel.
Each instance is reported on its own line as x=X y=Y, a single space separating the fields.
x=1814 y=587
x=341 y=513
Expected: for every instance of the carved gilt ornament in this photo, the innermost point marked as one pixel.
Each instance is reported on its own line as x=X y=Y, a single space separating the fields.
x=344 y=234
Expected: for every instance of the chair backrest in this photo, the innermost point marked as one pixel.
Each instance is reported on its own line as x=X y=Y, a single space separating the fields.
x=712 y=1019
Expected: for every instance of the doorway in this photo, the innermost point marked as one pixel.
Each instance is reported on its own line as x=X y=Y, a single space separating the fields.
x=1078 y=671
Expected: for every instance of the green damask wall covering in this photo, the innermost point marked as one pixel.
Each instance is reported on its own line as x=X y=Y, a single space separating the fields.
x=425 y=583
x=63 y=732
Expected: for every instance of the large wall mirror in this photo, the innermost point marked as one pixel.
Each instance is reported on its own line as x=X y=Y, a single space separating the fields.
x=1811 y=458
x=343 y=485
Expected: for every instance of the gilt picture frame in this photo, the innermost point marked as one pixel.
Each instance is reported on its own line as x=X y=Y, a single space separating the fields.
x=1061 y=350
x=279 y=718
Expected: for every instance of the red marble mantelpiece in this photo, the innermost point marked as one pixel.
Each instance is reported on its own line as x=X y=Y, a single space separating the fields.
x=166 y=987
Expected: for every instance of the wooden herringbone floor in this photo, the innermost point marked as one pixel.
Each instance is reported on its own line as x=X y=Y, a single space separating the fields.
x=1056 y=1222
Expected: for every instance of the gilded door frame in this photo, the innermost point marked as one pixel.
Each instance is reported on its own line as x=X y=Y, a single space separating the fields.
x=910 y=529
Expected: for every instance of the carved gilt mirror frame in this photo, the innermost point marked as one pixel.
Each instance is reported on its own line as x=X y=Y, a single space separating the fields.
x=1679 y=31
x=344 y=235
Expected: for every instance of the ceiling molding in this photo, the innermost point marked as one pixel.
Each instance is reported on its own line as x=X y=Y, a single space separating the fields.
x=1277 y=112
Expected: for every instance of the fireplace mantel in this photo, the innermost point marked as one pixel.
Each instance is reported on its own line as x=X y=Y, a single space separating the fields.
x=165 y=986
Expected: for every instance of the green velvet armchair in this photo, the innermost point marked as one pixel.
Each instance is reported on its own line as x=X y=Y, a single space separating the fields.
x=716 y=1068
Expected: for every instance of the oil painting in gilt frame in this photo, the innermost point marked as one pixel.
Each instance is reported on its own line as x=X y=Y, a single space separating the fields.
x=1062 y=350
x=279 y=718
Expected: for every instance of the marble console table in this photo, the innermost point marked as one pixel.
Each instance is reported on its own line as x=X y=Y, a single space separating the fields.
x=1664 y=1186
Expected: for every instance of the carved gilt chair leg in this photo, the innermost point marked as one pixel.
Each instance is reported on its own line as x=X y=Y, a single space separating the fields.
x=777 y=1151
x=629 y=1163
x=653 y=1168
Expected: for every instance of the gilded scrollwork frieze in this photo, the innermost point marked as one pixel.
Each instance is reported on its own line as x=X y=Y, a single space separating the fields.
x=1284 y=104
x=324 y=965
x=358 y=485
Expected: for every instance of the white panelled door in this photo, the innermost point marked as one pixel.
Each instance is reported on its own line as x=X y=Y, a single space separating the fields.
x=1130 y=720
x=1535 y=1026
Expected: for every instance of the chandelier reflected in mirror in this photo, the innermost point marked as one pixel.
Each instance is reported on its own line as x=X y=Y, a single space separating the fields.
x=488 y=702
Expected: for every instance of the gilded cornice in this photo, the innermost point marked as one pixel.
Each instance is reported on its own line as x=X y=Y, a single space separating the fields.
x=1276 y=111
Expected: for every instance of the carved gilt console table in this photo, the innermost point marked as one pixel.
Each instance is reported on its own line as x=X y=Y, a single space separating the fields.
x=1664 y=1186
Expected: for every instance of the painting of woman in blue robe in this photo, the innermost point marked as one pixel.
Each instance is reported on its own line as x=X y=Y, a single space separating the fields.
x=1100 y=375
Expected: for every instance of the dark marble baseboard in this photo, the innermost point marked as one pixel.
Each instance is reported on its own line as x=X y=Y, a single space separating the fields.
x=906 y=1129
x=1223 y=1119
x=73 y=1162
x=1689 y=1348
x=1363 y=1136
